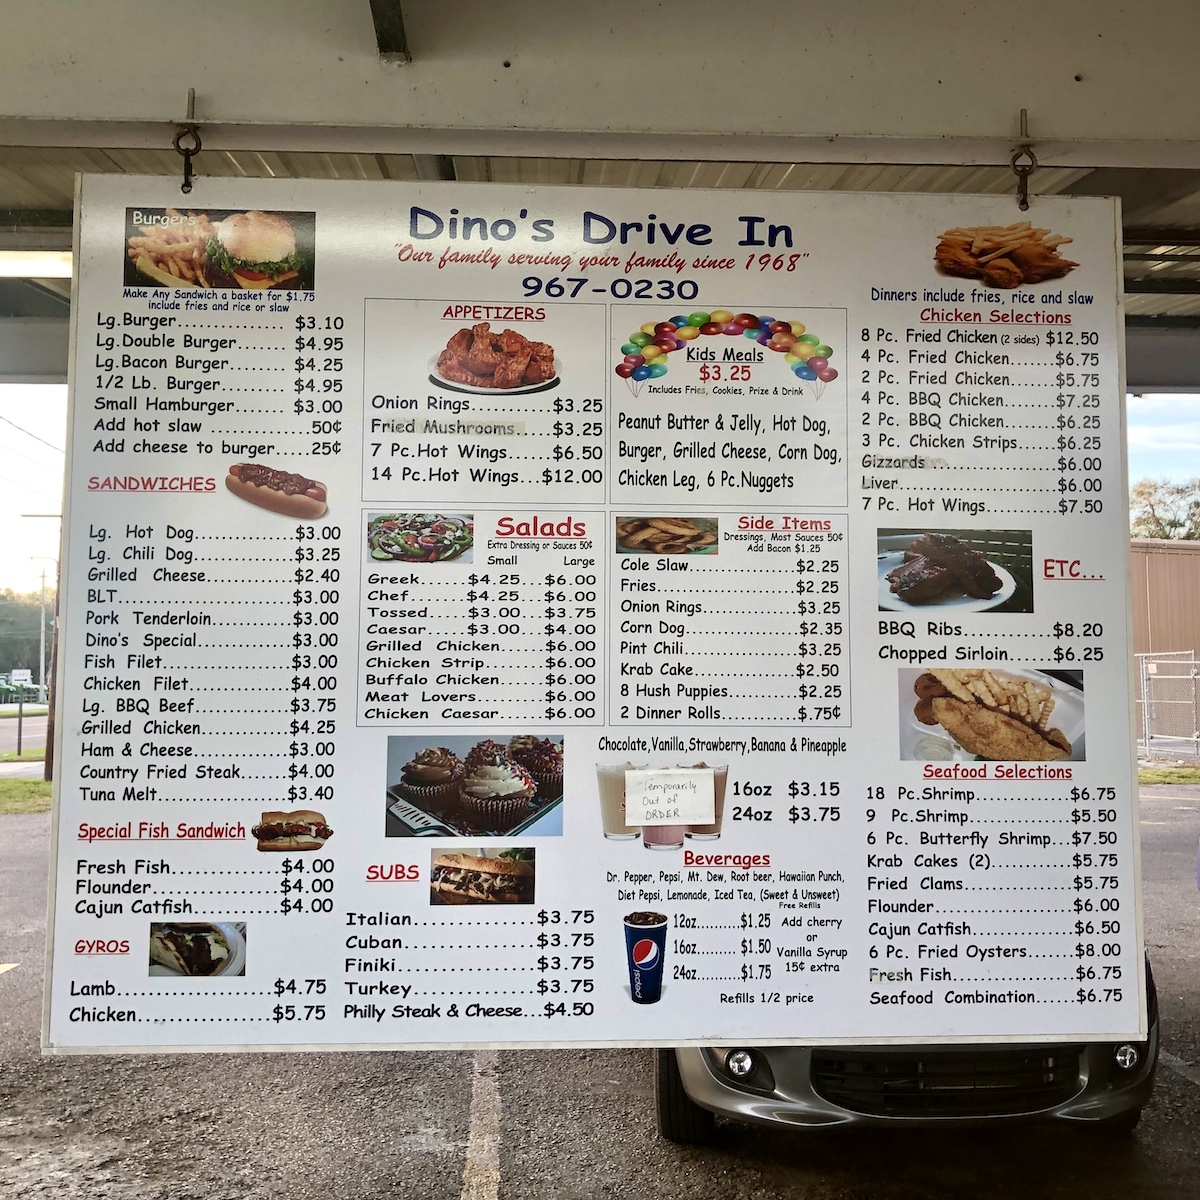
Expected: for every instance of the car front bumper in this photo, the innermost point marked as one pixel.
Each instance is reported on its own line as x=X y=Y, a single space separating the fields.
x=924 y=1085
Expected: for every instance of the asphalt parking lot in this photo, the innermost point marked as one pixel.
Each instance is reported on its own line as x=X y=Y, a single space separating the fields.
x=534 y=1125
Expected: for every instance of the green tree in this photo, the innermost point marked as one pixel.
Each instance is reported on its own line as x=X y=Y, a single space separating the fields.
x=1158 y=509
x=19 y=617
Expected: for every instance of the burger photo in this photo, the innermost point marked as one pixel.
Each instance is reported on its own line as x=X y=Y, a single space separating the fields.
x=255 y=249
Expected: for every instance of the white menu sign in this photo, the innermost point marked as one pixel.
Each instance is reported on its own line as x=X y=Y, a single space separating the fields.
x=414 y=530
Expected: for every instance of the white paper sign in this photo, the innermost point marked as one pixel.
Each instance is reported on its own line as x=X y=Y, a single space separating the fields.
x=672 y=797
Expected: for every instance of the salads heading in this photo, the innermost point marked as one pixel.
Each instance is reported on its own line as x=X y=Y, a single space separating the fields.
x=594 y=229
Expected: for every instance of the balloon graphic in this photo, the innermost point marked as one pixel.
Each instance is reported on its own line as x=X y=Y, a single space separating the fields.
x=646 y=353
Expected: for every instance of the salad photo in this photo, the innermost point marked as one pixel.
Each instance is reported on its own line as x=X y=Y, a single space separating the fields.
x=419 y=537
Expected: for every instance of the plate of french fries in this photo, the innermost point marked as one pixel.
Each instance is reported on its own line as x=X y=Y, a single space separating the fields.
x=1005 y=256
x=667 y=535
x=175 y=255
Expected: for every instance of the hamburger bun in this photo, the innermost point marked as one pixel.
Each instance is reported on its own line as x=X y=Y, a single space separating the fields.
x=257 y=237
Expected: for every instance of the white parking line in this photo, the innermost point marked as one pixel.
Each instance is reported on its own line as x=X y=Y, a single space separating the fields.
x=1177 y=1065
x=7 y=967
x=481 y=1171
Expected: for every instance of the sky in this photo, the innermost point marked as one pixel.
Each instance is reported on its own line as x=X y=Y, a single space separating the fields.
x=1164 y=437
x=1164 y=443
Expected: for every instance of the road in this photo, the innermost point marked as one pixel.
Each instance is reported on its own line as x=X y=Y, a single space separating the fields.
x=33 y=733
x=534 y=1125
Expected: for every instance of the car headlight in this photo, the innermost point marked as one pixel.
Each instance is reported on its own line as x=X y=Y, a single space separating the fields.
x=1127 y=1056
x=740 y=1063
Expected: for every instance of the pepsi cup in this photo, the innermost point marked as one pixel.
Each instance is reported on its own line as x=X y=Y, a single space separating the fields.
x=646 y=947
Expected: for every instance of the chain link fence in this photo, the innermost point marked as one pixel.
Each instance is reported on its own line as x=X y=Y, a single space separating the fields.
x=1168 y=704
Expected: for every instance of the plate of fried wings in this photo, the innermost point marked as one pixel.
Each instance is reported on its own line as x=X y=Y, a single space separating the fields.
x=479 y=360
x=1005 y=256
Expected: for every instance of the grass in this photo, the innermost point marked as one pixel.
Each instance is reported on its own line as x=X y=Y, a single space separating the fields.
x=24 y=796
x=28 y=754
x=1169 y=775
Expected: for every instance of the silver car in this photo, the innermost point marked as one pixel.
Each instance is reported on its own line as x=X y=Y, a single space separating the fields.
x=1103 y=1085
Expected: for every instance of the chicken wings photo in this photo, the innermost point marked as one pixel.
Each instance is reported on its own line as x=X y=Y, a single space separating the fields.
x=477 y=357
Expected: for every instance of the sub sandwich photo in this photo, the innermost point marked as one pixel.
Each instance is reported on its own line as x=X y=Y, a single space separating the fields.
x=468 y=879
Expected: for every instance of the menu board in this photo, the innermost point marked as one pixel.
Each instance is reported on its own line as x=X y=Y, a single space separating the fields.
x=562 y=616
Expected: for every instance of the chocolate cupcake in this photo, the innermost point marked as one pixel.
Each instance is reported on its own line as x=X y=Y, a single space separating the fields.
x=544 y=762
x=521 y=746
x=494 y=792
x=430 y=780
x=487 y=752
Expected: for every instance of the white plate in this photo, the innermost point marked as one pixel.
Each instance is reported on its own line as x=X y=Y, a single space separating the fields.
x=493 y=391
x=931 y=743
x=953 y=597
x=235 y=964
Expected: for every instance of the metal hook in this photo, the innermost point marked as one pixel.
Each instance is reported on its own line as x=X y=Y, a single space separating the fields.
x=191 y=131
x=1023 y=169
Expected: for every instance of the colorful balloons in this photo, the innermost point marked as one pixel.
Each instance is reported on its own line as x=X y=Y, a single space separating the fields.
x=647 y=352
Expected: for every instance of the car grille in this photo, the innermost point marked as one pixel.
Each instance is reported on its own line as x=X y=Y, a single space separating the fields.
x=990 y=1082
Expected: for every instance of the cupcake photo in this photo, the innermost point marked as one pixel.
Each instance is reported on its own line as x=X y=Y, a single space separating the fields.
x=510 y=782
x=495 y=791
x=543 y=759
x=430 y=778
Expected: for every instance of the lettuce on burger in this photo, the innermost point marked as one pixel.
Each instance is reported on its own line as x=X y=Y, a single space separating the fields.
x=258 y=249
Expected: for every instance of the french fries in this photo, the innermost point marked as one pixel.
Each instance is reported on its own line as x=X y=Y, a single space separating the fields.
x=1021 y=698
x=1005 y=256
x=666 y=535
x=176 y=250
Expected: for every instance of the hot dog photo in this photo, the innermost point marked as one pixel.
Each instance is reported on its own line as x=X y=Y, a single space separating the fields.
x=284 y=492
